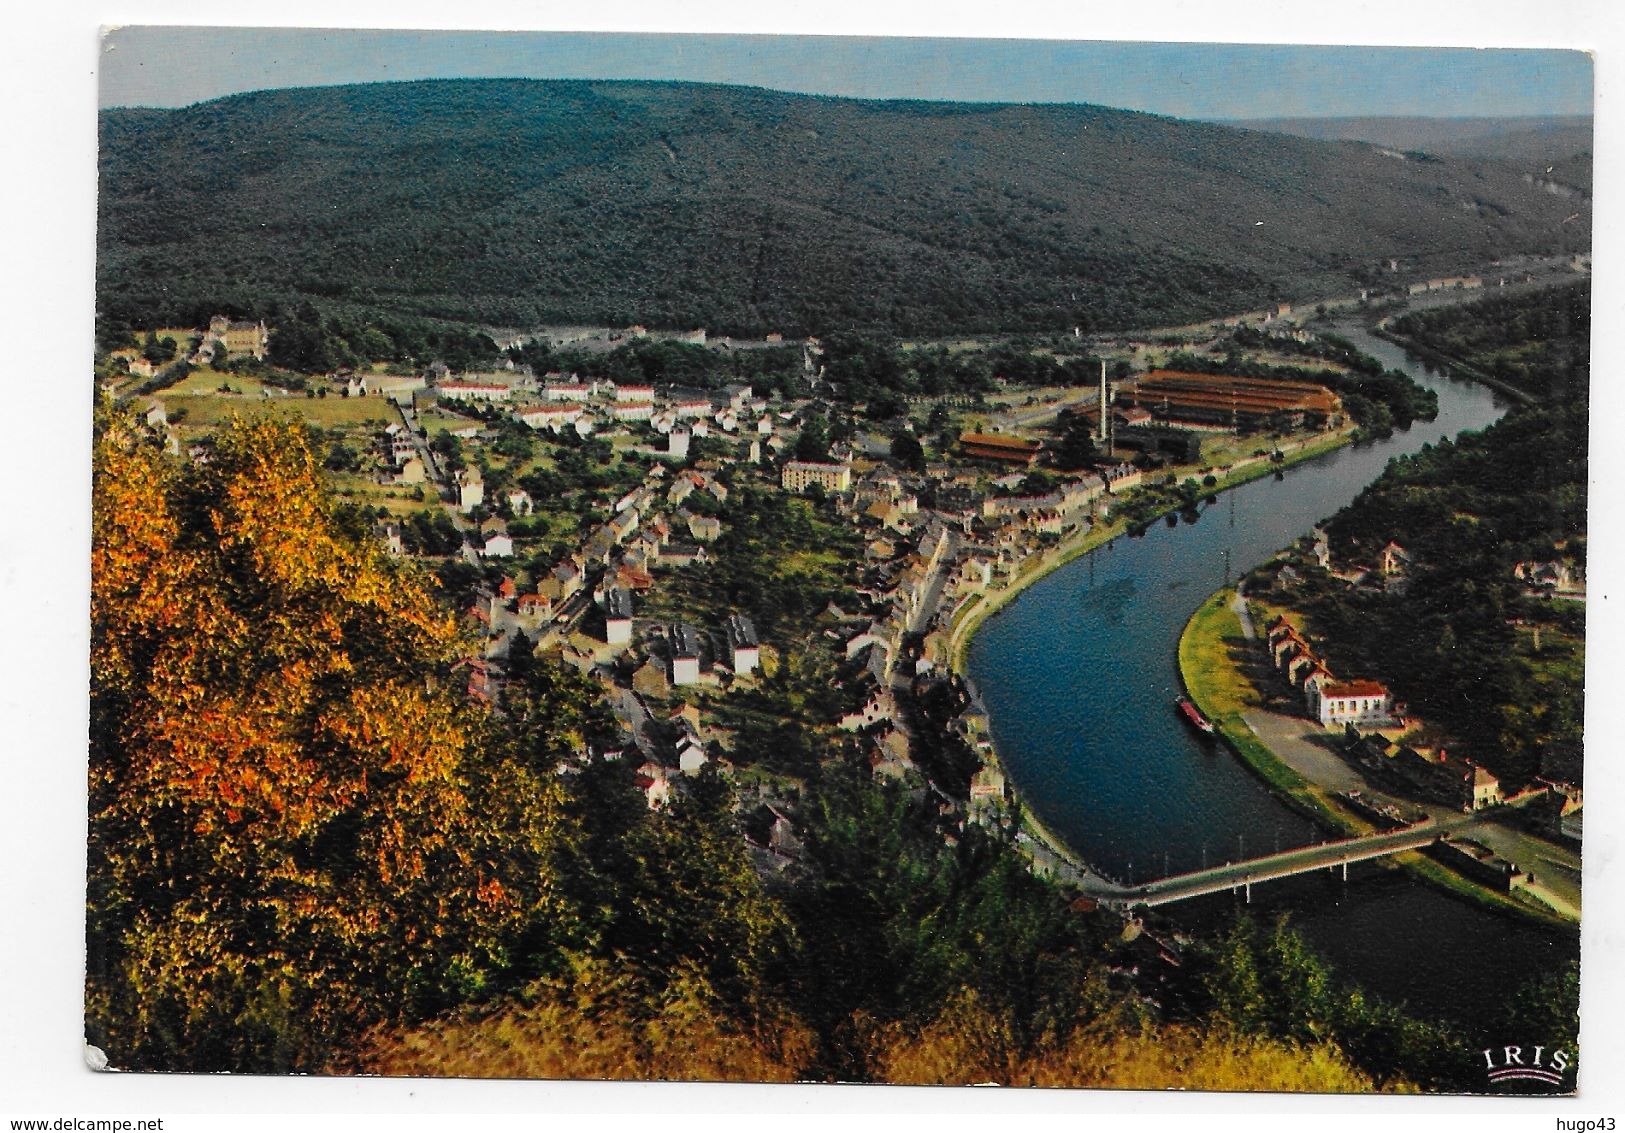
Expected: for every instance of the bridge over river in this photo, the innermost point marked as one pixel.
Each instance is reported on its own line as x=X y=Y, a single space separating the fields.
x=1243 y=875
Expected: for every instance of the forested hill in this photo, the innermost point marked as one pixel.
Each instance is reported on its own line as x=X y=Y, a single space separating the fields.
x=517 y=202
x=1554 y=151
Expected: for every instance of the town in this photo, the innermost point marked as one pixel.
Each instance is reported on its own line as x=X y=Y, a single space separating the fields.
x=594 y=564
x=578 y=520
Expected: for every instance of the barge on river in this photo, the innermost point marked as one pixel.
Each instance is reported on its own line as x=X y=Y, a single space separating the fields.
x=1194 y=717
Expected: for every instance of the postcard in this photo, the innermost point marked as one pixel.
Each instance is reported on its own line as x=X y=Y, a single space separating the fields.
x=800 y=559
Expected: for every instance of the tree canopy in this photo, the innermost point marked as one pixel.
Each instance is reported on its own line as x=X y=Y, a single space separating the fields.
x=290 y=821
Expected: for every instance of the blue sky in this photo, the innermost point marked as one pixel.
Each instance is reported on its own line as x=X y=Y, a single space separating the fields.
x=156 y=66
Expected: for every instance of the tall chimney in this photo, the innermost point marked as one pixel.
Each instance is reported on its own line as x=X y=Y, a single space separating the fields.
x=1104 y=408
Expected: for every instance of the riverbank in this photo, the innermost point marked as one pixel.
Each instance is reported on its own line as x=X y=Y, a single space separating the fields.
x=1211 y=651
x=990 y=602
x=1451 y=365
x=1212 y=655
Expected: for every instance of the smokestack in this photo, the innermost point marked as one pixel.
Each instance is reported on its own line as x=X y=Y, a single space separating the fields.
x=1103 y=405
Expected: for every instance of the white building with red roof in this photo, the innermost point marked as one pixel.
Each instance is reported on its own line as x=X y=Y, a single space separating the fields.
x=632 y=410
x=473 y=391
x=555 y=416
x=1339 y=703
x=567 y=391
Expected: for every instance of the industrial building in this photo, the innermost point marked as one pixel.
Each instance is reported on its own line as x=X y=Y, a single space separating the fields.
x=997 y=446
x=1232 y=402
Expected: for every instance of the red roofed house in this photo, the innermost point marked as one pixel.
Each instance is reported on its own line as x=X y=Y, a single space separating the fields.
x=631 y=578
x=653 y=780
x=632 y=410
x=1338 y=703
x=534 y=608
x=479 y=680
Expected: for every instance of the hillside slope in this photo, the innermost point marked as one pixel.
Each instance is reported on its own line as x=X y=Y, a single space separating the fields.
x=522 y=202
x=1554 y=150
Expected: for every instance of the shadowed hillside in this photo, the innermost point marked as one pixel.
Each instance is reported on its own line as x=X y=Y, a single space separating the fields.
x=1556 y=150
x=523 y=202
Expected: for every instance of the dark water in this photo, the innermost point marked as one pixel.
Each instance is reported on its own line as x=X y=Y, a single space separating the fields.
x=1079 y=675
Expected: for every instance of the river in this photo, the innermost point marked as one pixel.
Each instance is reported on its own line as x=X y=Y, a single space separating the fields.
x=1079 y=674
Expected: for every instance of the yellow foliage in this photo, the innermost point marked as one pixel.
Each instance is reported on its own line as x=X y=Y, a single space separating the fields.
x=967 y=1044
x=598 y=1026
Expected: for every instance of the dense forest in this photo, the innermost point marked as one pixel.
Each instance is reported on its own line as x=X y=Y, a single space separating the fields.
x=1541 y=346
x=517 y=203
x=1553 y=150
x=1470 y=646
x=310 y=852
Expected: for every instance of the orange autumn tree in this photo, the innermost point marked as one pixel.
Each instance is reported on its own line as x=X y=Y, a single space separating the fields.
x=295 y=830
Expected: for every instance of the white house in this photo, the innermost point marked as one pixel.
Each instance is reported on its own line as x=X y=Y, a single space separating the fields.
x=690 y=750
x=652 y=780
x=397 y=388
x=632 y=410
x=1339 y=703
x=744 y=648
x=498 y=543
x=685 y=655
x=520 y=503
x=470 y=489
x=617 y=616
x=555 y=416
x=567 y=391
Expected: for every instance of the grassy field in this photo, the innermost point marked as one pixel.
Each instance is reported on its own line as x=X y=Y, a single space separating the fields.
x=205 y=381
x=1211 y=652
x=327 y=412
x=1206 y=659
x=435 y=421
x=363 y=488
